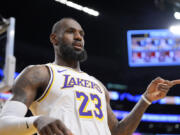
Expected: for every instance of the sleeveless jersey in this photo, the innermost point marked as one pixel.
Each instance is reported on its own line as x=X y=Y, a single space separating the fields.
x=77 y=99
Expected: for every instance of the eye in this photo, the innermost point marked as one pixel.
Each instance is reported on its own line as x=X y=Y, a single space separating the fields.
x=82 y=33
x=70 y=30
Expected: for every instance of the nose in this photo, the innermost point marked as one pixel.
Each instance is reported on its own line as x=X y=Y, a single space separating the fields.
x=77 y=36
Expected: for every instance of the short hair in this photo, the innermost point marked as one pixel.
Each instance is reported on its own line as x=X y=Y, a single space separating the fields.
x=57 y=26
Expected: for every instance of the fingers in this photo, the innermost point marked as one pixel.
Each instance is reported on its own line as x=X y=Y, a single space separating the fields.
x=169 y=83
x=64 y=129
x=68 y=132
x=158 y=80
x=43 y=132
x=174 y=82
x=159 y=88
x=163 y=87
x=48 y=131
x=56 y=130
x=51 y=126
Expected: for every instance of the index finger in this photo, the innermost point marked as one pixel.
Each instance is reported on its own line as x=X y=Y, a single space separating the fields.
x=174 y=82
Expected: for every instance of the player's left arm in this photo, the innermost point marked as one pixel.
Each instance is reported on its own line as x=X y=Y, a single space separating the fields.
x=157 y=89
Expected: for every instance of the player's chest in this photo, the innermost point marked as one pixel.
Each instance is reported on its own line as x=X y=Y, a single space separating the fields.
x=77 y=81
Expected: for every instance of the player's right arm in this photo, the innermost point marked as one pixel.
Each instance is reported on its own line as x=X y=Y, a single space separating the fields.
x=29 y=83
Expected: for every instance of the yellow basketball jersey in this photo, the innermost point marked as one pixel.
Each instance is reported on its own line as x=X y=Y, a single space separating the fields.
x=75 y=98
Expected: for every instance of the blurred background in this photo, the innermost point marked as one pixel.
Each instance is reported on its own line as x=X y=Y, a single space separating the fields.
x=128 y=43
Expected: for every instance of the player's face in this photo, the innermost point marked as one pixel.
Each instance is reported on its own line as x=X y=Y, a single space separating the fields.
x=73 y=35
x=71 y=41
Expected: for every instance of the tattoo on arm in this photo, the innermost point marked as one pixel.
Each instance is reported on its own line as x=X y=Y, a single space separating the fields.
x=27 y=84
x=19 y=90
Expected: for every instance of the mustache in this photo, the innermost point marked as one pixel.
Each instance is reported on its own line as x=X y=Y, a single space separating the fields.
x=78 y=43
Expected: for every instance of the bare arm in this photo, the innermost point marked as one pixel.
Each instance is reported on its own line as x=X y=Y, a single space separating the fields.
x=31 y=80
x=25 y=89
x=157 y=89
x=129 y=124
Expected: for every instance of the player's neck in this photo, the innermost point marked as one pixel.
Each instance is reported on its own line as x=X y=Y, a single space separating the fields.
x=72 y=64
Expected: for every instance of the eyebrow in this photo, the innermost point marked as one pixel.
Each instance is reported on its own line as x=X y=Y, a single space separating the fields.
x=81 y=30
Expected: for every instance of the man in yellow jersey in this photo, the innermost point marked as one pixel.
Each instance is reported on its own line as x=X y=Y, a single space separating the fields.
x=67 y=101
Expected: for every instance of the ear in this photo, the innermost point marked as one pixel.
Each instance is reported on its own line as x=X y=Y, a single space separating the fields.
x=53 y=39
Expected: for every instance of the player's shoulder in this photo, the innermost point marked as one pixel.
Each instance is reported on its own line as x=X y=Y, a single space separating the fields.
x=38 y=70
x=35 y=67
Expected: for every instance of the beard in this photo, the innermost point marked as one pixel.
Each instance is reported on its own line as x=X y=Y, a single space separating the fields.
x=68 y=53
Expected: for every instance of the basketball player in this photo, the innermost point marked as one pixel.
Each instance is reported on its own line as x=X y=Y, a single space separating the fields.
x=67 y=101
